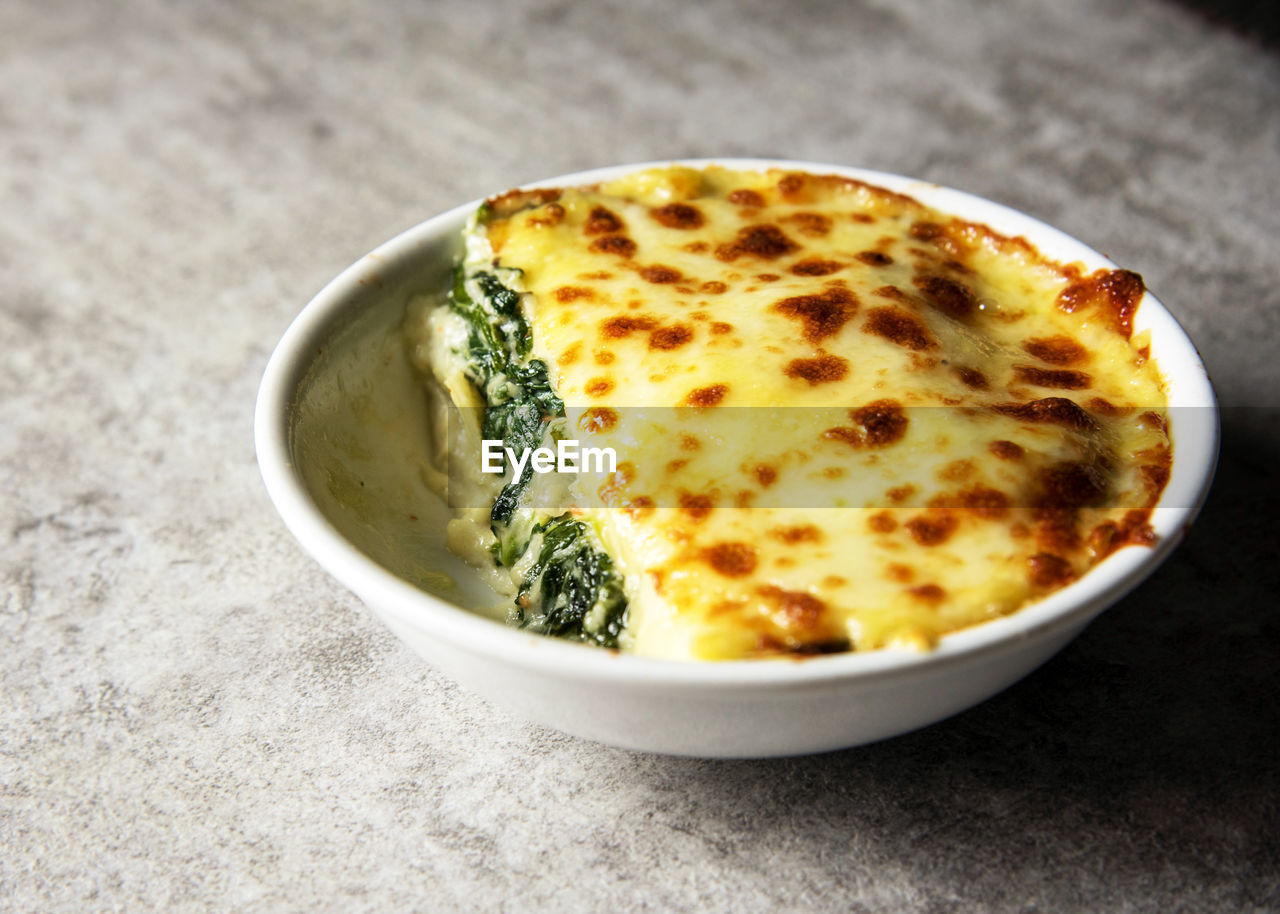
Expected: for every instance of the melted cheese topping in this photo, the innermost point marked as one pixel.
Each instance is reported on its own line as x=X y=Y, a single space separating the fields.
x=844 y=420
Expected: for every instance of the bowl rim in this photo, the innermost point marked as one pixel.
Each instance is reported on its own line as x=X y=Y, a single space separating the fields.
x=1192 y=472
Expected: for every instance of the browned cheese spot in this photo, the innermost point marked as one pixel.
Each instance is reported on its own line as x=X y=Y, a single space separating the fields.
x=882 y=422
x=639 y=506
x=676 y=466
x=878 y=424
x=570 y=355
x=893 y=293
x=882 y=522
x=899 y=572
x=1070 y=484
x=598 y=419
x=603 y=357
x=822 y=369
x=792 y=184
x=821 y=647
x=926 y=231
x=596 y=274
x=614 y=244
x=900 y=326
x=1055 y=378
x=1056 y=529
x=697 y=507
x=624 y=325
x=672 y=337
x=513 y=201
x=1006 y=450
x=947 y=295
x=765 y=475
x=820 y=315
x=971 y=377
x=815 y=266
x=1152 y=419
x=1156 y=475
x=602 y=221
x=798 y=609
x=928 y=593
x=660 y=275
x=767 y=277
x=1047 y=570
x=744 y=197
x=706 y=396
x=566 y=294
x=803 y=533
x=733 y=560
x=690 y=443
x=1133 y=530
x=1055 y=410
x=598 y=387
x=874 y=258
x=957 y=470
x=551 y=215
x=814 y=225
x=931 y=529
x=1056 y=350
x=714 y=287
x=899 y=494
x=1107 y=408
x=678 y=216
x=1113 y=293
x=766 y=242
x=720 y=328
x=612 y=489
x=984 y=501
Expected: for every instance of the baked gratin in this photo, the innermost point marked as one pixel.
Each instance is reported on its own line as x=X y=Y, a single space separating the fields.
x=837 y=419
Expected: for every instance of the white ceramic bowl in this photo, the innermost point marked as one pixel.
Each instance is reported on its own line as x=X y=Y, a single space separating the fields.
x=340 y=434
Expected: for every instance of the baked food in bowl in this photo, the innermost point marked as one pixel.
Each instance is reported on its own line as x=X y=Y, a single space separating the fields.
x=344 y=445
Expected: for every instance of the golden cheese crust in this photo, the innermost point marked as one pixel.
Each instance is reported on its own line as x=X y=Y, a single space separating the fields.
x=845 y=420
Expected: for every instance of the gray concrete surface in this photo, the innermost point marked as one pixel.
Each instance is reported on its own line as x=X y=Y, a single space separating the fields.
x=195 y=717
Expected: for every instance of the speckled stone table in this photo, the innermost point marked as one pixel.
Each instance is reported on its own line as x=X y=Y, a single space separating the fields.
x=195 y=717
